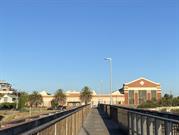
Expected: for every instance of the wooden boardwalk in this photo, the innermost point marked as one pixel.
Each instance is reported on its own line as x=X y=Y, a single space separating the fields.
x=98 y=123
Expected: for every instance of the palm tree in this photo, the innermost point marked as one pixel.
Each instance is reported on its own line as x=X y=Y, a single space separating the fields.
x=86 y=95
x=35 y=99
x=60 y=97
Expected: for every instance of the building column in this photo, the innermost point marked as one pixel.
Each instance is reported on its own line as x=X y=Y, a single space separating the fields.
x=126 y=97
x=158 y=95
x=148 y=95
x=136 y=98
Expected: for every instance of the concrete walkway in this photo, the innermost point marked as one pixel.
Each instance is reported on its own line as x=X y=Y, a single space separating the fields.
x=98 y=123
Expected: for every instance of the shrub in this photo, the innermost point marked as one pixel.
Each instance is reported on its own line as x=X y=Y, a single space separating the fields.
x=23 y=100
x=149 y=104
x=176 y=111
x=23 y=110
x=54 y=104
x=163 y=110
x=7 y=105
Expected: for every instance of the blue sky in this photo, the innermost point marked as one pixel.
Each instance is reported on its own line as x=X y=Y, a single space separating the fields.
x=46 y=45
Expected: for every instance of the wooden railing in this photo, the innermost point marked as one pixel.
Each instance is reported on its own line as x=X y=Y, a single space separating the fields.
x=142 y=122
x=61 y=123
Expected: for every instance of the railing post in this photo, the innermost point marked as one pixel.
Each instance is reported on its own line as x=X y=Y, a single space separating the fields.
x=55 y=132
x=73 y=124
x=141 y=124
x=151 y=126
x=130 y=123
x=148 y=126
x=168 y=128
x=66 y=127
x=77 y=122
x=158 y=127
x=138 y=124
x=144 y=125
x=106 y=108
x=134 y=123
x=82 y=116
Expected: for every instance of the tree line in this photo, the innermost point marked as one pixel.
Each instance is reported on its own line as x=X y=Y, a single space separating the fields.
x=35 y=99
x=166 y=100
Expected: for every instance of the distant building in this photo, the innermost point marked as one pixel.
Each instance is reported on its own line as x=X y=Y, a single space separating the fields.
x=8 y=99
x=117 y=98
x=131 y=94
x=140 y=90
x=5 y=88
x=47 y=98
x=73 y=98
x=7 y=93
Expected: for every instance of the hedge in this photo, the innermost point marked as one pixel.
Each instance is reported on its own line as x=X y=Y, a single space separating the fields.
x=7 y=105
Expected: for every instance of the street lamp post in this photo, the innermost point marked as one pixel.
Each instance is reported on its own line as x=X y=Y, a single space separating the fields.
x=110 y=74
x=101 y=90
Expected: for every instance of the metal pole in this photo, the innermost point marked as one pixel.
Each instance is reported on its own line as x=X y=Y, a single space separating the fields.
x=110 y=62
x=110 y=76
x=101 y=87
x=101 y=91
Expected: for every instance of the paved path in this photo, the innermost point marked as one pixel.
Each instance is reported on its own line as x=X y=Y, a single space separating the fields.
x=98 y=123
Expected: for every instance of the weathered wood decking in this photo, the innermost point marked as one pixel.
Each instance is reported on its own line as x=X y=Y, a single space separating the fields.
x=98 y=123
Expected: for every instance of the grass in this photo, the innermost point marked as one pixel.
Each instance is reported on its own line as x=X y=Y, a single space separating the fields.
x=11 y=115
x=175 y=111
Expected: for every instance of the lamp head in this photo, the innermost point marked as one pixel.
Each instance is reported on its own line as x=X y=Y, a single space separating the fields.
x=109 y=59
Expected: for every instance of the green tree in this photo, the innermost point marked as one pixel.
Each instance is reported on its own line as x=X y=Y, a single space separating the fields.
x=54 y=104
x=166 y=100
x=149 y=104
x=23 y=100
x=86 y=95
x=60 y=97
x=175 y=101
x=35 y=99
x=1 y=95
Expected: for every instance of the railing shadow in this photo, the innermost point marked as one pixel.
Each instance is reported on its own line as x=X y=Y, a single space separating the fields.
x=113 y=127
x=85 y=130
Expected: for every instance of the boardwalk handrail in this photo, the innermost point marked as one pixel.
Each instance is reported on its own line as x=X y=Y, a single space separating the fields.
x=156 y=113
x=46 y=125
x=51 y=123
x=143 y=122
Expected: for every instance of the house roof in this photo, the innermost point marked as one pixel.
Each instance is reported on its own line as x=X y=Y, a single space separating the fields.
x=142 y=82
x=12 y=96
x=2 y=81
x=44 y=93
x=72 y=92
x=116 y=93
x=94 y=92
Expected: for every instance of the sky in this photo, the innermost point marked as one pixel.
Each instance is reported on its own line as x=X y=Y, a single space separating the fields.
x=52 y=44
